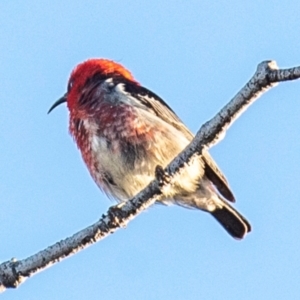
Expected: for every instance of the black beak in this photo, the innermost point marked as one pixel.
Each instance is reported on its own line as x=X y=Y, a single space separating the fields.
x=58 y=102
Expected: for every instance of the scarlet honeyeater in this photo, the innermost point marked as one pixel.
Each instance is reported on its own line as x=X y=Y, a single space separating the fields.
x=124 y=131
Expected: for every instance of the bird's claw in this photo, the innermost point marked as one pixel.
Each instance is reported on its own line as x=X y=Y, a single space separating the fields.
x=161 y=176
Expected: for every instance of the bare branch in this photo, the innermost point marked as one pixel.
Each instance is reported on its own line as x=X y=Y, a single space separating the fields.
x=267 y=75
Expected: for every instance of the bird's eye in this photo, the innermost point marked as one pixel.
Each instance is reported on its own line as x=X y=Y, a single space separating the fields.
x=70 y=85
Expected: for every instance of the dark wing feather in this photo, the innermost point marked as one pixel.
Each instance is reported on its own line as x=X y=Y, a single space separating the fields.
x=215 y=175
x=163 y=111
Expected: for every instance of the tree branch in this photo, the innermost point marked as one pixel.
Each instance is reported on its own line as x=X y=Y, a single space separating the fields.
x=267 y=75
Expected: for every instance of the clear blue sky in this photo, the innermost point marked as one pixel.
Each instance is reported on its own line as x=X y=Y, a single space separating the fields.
x=196 y=55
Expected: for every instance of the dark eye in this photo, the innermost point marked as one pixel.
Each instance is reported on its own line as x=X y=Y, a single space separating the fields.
x=70 y=85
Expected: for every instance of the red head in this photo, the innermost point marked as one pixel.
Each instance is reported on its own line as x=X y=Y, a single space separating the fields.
x=86 y=71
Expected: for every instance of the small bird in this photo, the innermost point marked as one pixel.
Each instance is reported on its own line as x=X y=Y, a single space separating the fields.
x=124 y=131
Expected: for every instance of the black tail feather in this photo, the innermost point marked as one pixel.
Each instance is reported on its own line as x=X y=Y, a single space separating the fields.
x=233 y=222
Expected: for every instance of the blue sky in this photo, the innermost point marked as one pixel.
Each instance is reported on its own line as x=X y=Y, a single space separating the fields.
x=196 y=55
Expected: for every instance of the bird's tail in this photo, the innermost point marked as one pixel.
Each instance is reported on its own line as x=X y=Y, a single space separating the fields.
x=233 y=222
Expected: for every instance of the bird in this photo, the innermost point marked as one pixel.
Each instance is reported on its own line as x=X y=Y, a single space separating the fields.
x=124 y=132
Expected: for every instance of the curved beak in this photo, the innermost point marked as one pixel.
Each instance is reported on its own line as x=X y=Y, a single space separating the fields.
x=58 y=102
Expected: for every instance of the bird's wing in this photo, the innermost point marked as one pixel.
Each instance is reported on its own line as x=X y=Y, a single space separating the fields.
x=158 y=106
x=215 y=175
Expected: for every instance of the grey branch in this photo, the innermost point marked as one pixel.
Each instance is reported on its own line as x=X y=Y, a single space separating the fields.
x=267 y=75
